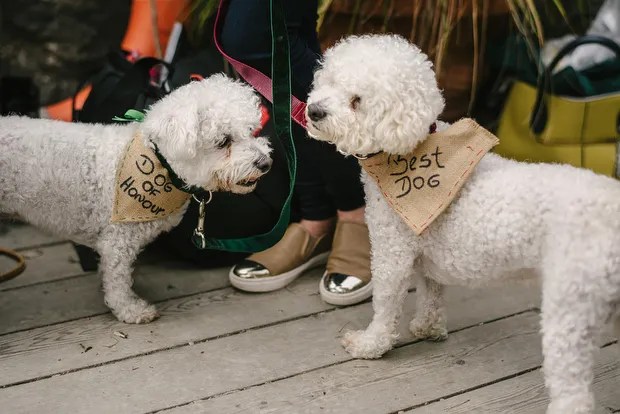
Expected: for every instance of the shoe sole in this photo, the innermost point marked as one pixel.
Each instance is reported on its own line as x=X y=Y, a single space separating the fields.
x=271 y=283
x=345 y=299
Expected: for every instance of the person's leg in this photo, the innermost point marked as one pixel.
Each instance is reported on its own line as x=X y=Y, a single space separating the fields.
x=325 y=179
x=252 y=45
x=347 y=279
x=305 y=244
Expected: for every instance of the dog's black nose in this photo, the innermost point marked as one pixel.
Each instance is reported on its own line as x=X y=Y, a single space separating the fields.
x=263 y=164
x=316 y=113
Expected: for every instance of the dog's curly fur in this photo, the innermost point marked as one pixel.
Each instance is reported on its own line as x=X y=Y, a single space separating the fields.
x=60 y=176
x=511 y=219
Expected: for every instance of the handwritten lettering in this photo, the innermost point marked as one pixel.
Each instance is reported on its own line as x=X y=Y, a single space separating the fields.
x=128 y=187
x=410 y=164
x=401 y=166
x=398 y=160
x=147 y=166
x=407 y=184
x=436 y=154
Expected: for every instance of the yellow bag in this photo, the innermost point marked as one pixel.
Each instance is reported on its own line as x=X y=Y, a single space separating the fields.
x=539 y=126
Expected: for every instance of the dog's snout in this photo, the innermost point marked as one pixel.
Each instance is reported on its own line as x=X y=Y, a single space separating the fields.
x=316 y=113
x=263 y=164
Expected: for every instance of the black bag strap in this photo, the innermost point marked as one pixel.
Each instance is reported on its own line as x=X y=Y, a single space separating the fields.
x=130 y=76
x=538 y=119
x=116 y=64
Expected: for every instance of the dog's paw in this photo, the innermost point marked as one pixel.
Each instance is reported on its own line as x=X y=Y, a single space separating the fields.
x=574 y=404
x=421 y=329
x=137 y=311
x=361 y=344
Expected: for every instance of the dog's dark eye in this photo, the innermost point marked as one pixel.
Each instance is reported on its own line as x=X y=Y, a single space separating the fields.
x=355 y=101
x=225 y=142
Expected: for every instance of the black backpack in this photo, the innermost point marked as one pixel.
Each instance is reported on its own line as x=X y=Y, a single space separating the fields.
x=119 y=86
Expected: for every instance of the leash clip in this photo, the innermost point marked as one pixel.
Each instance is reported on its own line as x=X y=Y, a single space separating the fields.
x=198 y=238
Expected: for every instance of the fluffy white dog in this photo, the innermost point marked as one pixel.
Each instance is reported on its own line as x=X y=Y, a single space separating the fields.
x=510 y=220
x=61 y=176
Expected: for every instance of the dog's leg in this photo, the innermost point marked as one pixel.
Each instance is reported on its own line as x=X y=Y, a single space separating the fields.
x=573 y=313
x=116 y=267
x=430 y=317
x=391 y=268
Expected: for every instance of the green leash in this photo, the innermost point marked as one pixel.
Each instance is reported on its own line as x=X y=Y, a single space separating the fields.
x=281 y=86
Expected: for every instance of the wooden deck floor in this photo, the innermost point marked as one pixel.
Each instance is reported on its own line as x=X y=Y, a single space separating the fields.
x=217 y=350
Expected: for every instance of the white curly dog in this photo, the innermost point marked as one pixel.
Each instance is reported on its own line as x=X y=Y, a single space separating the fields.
x=60 y=176
x=511 y=219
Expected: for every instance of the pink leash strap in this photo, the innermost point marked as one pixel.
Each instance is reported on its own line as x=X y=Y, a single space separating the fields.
x=257 y=79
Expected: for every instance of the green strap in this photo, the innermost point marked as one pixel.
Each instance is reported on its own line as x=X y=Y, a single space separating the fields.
x=132 y=115
x=281 y=85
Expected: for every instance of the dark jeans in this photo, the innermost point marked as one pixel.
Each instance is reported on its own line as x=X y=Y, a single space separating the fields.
x=326 y=180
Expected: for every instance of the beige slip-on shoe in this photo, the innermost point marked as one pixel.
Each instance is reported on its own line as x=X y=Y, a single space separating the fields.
x=347 y=279
x=276 y=267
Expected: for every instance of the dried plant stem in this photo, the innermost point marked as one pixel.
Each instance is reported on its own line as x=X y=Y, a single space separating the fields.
x=536 y=23
x=356 y=15
x=474 y=75
x=417 y=8
x=372 y=12
x=323 y=7
x=388 y=11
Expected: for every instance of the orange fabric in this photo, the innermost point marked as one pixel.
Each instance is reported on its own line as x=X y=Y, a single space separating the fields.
x=63 y=110
x=139 y=35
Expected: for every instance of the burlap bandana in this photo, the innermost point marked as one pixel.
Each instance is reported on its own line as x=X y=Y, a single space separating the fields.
x=143 y=191
x=423 y=183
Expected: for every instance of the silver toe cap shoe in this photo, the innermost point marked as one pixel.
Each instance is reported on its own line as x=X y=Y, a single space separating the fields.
x=250 y=270
x=339 y=283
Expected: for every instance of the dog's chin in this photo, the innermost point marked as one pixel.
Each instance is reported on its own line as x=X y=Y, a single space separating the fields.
x=242 y=188
x=312 y=131
x=316 y=133
x=245 y=186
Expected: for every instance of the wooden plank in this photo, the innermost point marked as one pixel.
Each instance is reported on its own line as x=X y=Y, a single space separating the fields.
x=60 y=348
x=25 y=355
x=20 y=236
x=405 y=377
x=192 y=372
x=45 y=264
x=526 y=393
x=69 y=299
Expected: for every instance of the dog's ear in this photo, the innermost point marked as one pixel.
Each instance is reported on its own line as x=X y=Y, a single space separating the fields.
x=174 y=129
x=405 y=117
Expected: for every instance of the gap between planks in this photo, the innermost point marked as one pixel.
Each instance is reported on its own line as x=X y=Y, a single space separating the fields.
x=525 y=392
x=468 y=307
